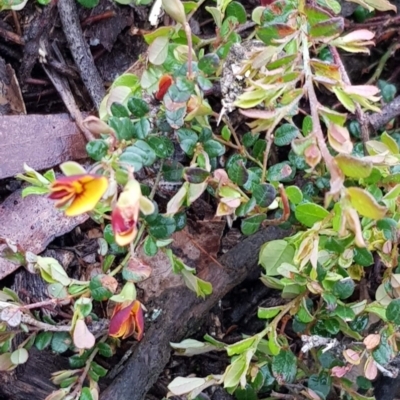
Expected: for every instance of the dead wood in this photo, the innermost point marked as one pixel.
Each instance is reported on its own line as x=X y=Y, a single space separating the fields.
x=80 y=51
x=32 y=380
x=390 y=111
x=41 y=141
x=32 y=222
x=182 y=314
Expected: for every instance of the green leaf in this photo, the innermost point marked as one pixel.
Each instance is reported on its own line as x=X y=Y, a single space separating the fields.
x=78 y=361
x=354 y=167
x=138 y=107
x=143 y=150
x=235 y=9
x=158 y=50
x=150 y=247
x=269 y=34
x=284 y=367
x=61 y=342
x=234 y=371
x=105 y=349
x=142 y=128
x=123 y=128
x=250 y=138
x=330 y=28
x=363 y=257
x=175 y=117
x=294 y=194
x=98 y=287
x=393 y=311
x=388 y=226
x=321 y=384
x=209 y=63
x=162 y=227
x=344 y=288
x=284 y=135
x=162 y=146
x=118 y=110
x=19 y=356
x=96 y=149
x=88 y=3
x=315 y=14
x=34 y=190
x=86 y=394
x=43 y=340
x=187 y=139
x=332 y=326
x=248 y=393
x=346 y=313
x=172 y=171
x=273 y=254
x=238 y=173
x=383 y=353
x=245 y=208
x=98 y=369
x=309 y=213
x=264 y=194
x=252 y=224
x=281 y=172
x=267 y=313
x=214 y=148
x=388 y=90
x=259 y=148
x=195 y=175
x=226 y=133
x=365 y=204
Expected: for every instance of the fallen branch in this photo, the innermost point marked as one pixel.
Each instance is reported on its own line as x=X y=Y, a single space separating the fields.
x=390 y=111
x=80 y=51
x=182 y=314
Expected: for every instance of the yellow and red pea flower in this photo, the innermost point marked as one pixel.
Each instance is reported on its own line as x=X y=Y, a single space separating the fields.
x=125 y=215
x=127 y=320
x=79 y=193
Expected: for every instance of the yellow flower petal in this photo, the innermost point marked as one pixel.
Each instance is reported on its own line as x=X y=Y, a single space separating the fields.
x=93 y=190
x=123 y=240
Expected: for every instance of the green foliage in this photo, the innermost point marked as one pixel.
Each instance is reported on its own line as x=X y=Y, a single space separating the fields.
x=295 y=162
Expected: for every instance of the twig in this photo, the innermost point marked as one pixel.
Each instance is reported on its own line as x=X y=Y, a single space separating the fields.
x=100 y=17
x=382 y=62
x=390 y=111
x=11 y=36
x=80 y=51
x=62 y=86
x=286 y=210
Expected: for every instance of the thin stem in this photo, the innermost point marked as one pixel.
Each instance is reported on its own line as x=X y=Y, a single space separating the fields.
x=44 y=303
x=81 y=380
x=284 y=311
x=359 y=112
x=229 y=144
x=121 y=265
x=188 y=32
x=382 y=62
x=268 y=138
x=314 y=104
x=231 y=128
